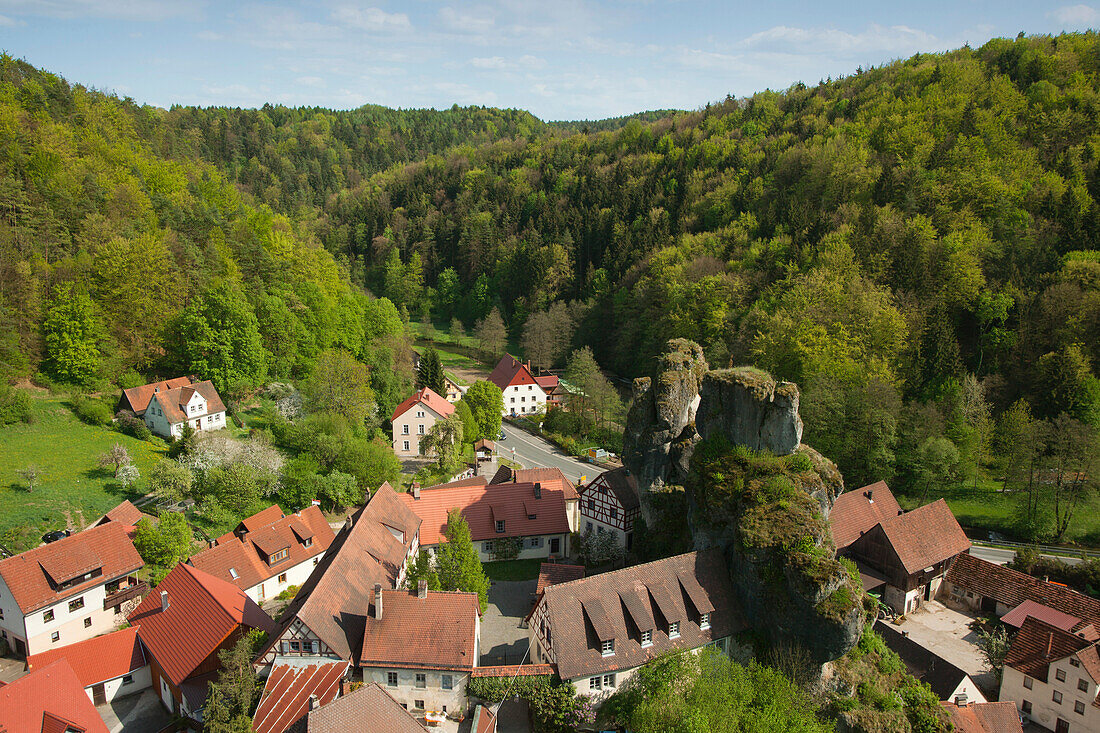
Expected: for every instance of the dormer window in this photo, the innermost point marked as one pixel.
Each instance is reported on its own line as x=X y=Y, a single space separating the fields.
x=280 y=555
x=608 y=648
x=704 y=621
x=307 y=542
x=500 y=526
x=674 y=630
x=647 y=638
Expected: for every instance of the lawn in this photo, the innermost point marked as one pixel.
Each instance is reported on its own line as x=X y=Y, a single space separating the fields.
x=73 y=490
x=512 y=569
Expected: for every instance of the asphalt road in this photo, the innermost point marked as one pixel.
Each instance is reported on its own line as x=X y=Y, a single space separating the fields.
x=1002 y=556
x=534 y=452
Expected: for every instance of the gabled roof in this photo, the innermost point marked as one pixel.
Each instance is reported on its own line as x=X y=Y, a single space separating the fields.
x=247 y=555
x=171 y=401
x=285 y=699
x=1011 y=588
x=202 y=612
x=510 y=370
x=260 y=519
x=550 y=478
x=434 y=632
x=985 y=717
x=334 y=601
x=48 y=699
x=125 y=514
x=925 y=536
x=98 y=659
x=139 y=397
x=622 y=484
x=483 y=506
x=1016 y=616
x=656 y=587
x=923 y=663
x=483 y=720
x=552 y=573
x=1037 y=644
x=368 y=703
x=32 y=576
x=427 y=397
x=854 y=512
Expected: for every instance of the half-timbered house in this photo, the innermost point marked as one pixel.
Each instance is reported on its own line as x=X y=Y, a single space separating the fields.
x=609 y=503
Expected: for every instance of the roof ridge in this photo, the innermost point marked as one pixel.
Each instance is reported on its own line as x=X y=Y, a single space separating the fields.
x=628 y=567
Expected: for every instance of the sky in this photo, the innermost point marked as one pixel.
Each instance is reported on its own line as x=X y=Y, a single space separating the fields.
x=560 y=59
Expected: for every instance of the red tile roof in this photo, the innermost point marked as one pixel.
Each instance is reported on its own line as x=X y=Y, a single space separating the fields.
x=207 y=608
x=925 y=536
x=171 y=401
x=550 y=478
x=428 y=397
x=369 y=703
x=1016 y=616
x=435 y=632
x=247 y=555
x=471 y=481
x=483 y=506
x=515 y=670
x=985 y=717
x=1011 y=588
x=285 y=699
x=125 y=514
x=260 y=519
x=548 y=382
x=552 y=573
x=50 y=698
x=97 y=659
x=509 y=370
x=139 y=397
x=107 y=547
x=1037 y=644
x=853 y=513
x=483 y=720
x=660 y=590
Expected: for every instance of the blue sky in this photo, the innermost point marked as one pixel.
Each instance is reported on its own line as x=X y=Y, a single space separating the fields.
x=561 y=59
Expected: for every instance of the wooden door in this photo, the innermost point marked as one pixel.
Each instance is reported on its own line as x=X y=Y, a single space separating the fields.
x=1062 y=726
x=99 y=695
x=555 y=545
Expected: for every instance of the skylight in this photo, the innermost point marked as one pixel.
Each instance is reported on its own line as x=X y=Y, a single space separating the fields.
x=233 y=573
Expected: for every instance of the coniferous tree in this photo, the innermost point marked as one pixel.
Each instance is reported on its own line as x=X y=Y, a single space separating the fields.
x=457 y=561
x=430 y=373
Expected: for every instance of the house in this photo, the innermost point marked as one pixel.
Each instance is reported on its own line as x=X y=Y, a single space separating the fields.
x=532 y=517
x=48 y=700
x=984 y=717
x=553 y=573
x=370 y=702
x=483 y=449
x=293 y=690
x=69 y=590
x=108 y=667
x=184 y=625
x=551 y=385
x=550 y=478
x=609 y=503
x=136 y=399
x=454 y=391
x=268 y=552
x=600 y=629
x=197 y=404
x=904 y=554
x=1052 y=675
x=419 y=645
x=483 y=720
x=523 y=395
x=947 y=681
x=125 y=514
x=414 y=417
x=973 y=584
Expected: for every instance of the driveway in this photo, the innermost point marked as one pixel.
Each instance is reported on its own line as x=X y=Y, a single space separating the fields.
x=947 y=632
x=134 y=714
x=503 y=640
x=11 y=669
x=534 y=452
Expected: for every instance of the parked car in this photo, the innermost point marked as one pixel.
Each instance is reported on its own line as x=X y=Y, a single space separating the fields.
x=501 y=436
x=56 y=535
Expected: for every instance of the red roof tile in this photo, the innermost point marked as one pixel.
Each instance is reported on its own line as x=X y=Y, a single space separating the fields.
x=1037 y=644
x=435 y=632
x=48 y=699
x=139 y=397
x=548 y=382
x=261 y=519
x=550 y=478
x=552 y=573
x=285 y=699
x=209 y=610
x=125 y=514
x=173 y=400
x=483 y=506
x=985 y=717
x=1016 y=616
x=925 y=536
x=509 y=371
x=368 y=703
x=428 y=397
x=97 y=659
x=483 y=720
x=106 y=547
x=853 y=513
x=515 y=670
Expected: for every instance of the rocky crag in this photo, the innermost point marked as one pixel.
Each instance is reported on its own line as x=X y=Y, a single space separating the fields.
x=732 y=439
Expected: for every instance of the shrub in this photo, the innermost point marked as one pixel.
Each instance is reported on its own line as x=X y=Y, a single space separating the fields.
x=129 y=424
x=288 y=593
x=92 y=411
x=130 y=379
x=15 y=405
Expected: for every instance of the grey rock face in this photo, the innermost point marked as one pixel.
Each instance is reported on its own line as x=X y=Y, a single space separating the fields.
x=750 y=409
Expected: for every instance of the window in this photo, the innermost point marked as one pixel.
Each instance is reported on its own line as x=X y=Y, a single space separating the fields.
x=391 y=679
x=609 y=680
x=513 y=400
x=614 y=513
x=704 y=621
x=307 y=542
x=233 y=573
x=500 y=525
x=608 y=647
x=1 y=614
x=674 y=630
x=282 y=578
x=529 y=388
x=76 y=604
x=47 y=616
x=421 y=680
x=588 y=526
x=88 y=622
x=591 y=505
x=1026 y=707
x=420 y=429
x=406 y=446
x=1057 y=697
x=647 y=638
x=487 y=546
x=1060 y=675
x=118 y=610
x=295 y=646
x=55 y=636
x=447 y=682
x=1079 y=707
x=418 y=704
x=280 y=555
x=420 y=413
x=1074 y=662
x=128 y=679
x=404 y=429
x=1028 y=683
x=316 y=560
x=522 y=399
x=593 y=683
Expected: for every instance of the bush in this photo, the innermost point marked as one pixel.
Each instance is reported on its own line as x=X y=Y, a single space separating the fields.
x=130 y=379
x=15 y=405
x=130 y=424
x=92 y=411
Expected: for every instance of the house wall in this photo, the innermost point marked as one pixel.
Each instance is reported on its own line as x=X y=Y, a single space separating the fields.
x=142 y=679
x=969 y=688
x=432 y=694
x=523 y=399
x=70 y=624
x=417 y=420
x=1044 y=710
x=607 y=687
x=271 y=587
x=529 y=552
x=157 y=422
x=168 y=694
x=597 y=505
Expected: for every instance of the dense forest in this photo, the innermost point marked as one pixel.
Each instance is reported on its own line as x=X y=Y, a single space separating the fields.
x=915 y=245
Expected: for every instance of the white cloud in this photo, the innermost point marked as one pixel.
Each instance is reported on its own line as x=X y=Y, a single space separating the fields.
x=141 y=10
x=896 y=39
x=494 y=62
x=6 y=22
x=499 y=63
x=1076 y=15
x=311 y=81
x=208 y=36
x=466 y=22
x=370 y=19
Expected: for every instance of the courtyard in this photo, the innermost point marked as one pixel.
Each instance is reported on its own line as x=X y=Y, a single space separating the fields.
x=948 y=633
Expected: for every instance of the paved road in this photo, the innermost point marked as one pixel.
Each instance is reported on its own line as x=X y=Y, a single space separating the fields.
x=1001 y=556
x=534 y=452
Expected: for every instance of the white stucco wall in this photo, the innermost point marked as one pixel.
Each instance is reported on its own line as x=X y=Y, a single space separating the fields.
x=271 y=587
x=1044 y=710
x=70 y=624
x=523 y=399
x=433 y=694
x=157 y=422
x=411 y=426
x=142 y=679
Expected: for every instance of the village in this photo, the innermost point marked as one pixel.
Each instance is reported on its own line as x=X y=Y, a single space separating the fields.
x=89 y=640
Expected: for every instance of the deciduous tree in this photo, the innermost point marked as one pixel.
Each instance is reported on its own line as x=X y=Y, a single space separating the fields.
x=340 y=384
x=492 y=335
x=72 y=333
x=486 y=403
x=457 y=561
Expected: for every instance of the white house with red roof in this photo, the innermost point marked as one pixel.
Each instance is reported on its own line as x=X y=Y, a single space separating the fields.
x=197 y=404
x=414 y=417
x=523 y=392
x=108 y=667
x=48 y=700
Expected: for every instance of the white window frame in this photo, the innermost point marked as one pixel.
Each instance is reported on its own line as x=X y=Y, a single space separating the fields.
x=607 y=648
x=609 y=680
x=594 y=683
x=704 y=621
x=674 y=629
x=392 y=679
x=647 y=638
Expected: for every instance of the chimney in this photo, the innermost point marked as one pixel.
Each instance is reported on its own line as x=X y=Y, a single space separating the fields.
x=538 y=490
x=377 y=601
x=313 y=702
x=416 y=490
x=870 y=498
x=164 y=600
x=421 y=589
x=347 y=522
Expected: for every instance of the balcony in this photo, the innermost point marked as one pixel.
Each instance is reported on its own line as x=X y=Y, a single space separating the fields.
x=122 y=595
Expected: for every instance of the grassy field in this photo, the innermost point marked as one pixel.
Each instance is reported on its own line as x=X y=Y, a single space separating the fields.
x=512 y=569
x=73 y=490
x=459 y=355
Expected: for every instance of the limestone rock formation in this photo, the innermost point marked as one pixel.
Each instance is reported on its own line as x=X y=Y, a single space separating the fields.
x=750 y=409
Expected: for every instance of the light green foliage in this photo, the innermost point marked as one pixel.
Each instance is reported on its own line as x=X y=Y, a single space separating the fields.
x=444 y=440
x=595 y=400
x=457 y=561
x=994 y=647
x=485 y=401
x=165 y=543
x=71 y=333
x=15 y=405
x=422 y=568
x=341 y=385
x=169 y=481
x=470 y=428
x=492 y=335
